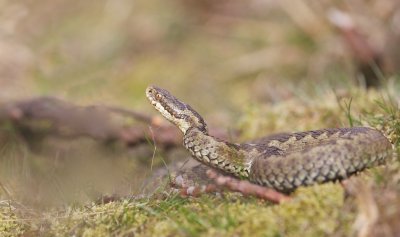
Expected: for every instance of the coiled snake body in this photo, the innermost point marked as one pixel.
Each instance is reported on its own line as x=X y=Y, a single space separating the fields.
x=284 y=161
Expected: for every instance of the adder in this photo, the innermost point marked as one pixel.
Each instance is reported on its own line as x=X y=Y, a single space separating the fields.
x=282 y=162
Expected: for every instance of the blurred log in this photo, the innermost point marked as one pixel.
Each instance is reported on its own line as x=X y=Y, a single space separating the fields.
x=37 y=118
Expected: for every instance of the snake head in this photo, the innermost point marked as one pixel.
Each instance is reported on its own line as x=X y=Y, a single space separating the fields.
x=177 y=112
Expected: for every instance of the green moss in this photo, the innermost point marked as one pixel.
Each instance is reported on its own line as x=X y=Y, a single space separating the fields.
x=10 y=225
x=313 y=211
x=100 y=220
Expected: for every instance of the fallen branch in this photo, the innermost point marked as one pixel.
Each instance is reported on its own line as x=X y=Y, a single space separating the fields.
x=247 y=188
x=47 y=116
x=201 y=179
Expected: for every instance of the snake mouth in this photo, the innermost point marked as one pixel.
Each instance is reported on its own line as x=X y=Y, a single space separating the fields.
x=150 y=93
x=177 y=112
x=161 y=100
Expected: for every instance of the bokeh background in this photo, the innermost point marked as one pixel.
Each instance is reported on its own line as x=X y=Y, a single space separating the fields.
x=251 y=68
x=109 y=51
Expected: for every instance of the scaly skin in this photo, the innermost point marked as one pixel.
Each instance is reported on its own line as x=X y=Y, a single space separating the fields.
x=284 y=161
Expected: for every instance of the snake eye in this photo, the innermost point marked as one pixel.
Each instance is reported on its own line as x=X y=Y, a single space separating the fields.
x=158 y=96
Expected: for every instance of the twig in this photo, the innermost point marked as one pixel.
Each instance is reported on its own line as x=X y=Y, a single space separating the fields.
x=247 y=188
x=186 y=189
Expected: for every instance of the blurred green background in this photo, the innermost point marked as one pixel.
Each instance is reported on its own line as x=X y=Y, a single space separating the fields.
x=226 y=54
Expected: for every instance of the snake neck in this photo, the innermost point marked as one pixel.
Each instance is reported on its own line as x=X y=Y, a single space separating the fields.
x=222 y=155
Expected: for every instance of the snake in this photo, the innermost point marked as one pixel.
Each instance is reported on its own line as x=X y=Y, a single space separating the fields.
x=283 y=161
